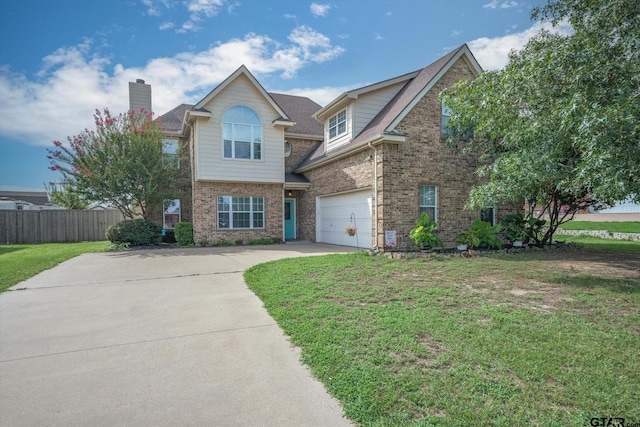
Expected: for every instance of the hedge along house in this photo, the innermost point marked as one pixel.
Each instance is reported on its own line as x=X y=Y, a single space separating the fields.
x=374 y=158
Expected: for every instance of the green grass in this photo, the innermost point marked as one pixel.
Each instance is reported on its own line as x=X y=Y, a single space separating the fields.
x=598 y=243
x=614 y=227
x=19 y=262
x=536 y=338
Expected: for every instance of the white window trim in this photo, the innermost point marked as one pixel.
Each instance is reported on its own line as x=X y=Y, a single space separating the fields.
x=233 y=140
x=175 y=158
x=230 y=212
x=164 y=217
x=435 y=207
x=494 y=207
x=337 y=124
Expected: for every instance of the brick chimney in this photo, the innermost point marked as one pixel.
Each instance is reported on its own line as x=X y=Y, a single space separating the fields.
x=139 y=96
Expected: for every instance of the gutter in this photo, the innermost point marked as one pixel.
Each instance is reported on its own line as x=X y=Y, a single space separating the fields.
x=387 y=138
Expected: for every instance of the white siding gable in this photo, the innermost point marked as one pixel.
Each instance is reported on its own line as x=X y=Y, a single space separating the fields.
x=368 y=105
x=211 y=165
x=360 y=112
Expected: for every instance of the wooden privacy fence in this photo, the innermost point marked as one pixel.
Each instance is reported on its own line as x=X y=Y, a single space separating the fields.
x=55 y=225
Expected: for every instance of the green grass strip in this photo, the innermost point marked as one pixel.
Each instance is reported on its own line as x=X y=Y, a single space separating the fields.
x=19 y=262
x=614 y=227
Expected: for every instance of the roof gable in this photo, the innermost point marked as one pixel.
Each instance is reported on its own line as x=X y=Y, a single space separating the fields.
x=384 y=123
x=389 y=117
x=242 y=70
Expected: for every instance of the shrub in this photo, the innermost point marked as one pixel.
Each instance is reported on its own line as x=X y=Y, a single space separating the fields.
x=486 y=233
x=263 y=241
x=218 y=243
x=183 y=232
x=423 y=235
x=136 y=232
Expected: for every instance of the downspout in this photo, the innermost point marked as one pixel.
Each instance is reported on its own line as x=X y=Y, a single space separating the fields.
x=375 y=190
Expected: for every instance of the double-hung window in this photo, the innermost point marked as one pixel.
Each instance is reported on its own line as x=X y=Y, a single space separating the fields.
x=170 y=157
x=241 y=134
x=171 y=213
x=429 y=201
x=240 y=212
x=338 y=124
x=488 y=214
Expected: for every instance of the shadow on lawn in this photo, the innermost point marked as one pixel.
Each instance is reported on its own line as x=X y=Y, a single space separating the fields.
x=6 y=250
x=615 y=284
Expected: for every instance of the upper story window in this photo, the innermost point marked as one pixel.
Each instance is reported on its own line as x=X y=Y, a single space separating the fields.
x=446 y=112
x=338 y=124
x=242 y=134
x=170 y=148
x=287 y=149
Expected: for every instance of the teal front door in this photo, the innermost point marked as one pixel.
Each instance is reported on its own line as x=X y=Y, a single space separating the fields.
x=289 y=218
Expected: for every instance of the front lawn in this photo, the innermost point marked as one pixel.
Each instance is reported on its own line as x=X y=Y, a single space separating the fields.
x=614 y=227
x=537 y=338
x=598 y=243
x=19 y=262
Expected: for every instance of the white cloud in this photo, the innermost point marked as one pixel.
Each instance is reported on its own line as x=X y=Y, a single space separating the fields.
x=492 y=53
x=505 y=4
x=318 y=9
x=378 y=37
x=289 y=16
x=322 y=95
x=166 y=26
x=456 y=33
x=203 y=8
x=74 y=81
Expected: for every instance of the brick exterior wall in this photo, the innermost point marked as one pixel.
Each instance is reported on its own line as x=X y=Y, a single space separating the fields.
x=183 y=187
x=299 y=148
x=205 y=224
x=349 y=173
x=424 y=159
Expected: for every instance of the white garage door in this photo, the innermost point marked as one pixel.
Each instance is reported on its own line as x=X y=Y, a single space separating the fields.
x=334 y=214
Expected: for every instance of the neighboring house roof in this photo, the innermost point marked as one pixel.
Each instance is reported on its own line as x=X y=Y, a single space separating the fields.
x=171 y=121
x=39 y=198
x=384 y=123
x=300 y=109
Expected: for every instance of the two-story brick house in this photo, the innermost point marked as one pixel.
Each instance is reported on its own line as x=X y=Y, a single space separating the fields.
x=374 y=158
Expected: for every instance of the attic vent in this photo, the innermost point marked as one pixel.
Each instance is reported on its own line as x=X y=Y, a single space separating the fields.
x=139 y=81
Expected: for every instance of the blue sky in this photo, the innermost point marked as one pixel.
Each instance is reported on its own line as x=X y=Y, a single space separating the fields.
x=62 y=59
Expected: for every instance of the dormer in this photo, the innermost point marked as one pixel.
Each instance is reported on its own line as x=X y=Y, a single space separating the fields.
x=347 y=115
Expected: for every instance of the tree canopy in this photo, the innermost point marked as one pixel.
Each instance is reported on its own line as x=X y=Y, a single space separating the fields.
x=559 y=125
x=120 y=163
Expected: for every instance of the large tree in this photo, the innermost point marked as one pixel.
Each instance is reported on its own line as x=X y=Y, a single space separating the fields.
x=559 y=125
x=121 y=163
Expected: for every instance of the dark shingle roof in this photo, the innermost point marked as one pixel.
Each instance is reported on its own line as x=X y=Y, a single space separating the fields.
x=295 y=177
x=300 y=109
x=171 y=122
x=379 y=125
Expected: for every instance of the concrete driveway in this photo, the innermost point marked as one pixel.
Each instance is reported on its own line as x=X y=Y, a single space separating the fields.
x=154 y=338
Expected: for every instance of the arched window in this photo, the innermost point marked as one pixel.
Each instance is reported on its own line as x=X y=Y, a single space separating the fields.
x=241 y=134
